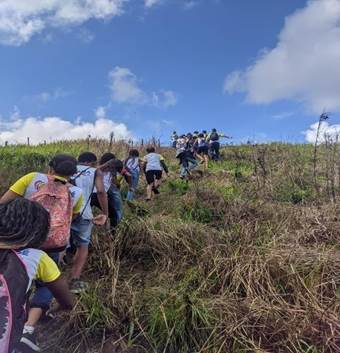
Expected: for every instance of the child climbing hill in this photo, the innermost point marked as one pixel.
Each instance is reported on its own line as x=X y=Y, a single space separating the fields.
x=154 y=165
x=24 y=226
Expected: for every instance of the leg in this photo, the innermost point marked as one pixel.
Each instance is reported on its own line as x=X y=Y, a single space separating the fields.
x=113 y=214
x=81 y=234
x=217 y=149
x=79 y=261
x=158 y=179
x=117 y=204
x=149 y=191
x=135 y=179
x=206 y=161
x=150 y=179
x=40 y=303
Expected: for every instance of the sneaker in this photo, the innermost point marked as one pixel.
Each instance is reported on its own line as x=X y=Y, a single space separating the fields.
x=77 y=286
x=28 y=343
x=156 y=191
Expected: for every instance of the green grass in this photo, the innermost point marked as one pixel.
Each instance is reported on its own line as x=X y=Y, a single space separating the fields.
x=244 y=259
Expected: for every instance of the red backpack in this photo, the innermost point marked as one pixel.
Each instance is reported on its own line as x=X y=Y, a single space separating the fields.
x=55 y=197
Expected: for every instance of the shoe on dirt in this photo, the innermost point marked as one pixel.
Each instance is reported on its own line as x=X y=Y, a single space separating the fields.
x=28 y=343
x=77 y=286
x=155 y=190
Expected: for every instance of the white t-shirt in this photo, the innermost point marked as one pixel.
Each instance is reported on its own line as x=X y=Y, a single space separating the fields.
x=153 y=161
x=85 y=181
x=107 y=179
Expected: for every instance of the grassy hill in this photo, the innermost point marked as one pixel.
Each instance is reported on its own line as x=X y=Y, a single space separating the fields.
x=244 y=259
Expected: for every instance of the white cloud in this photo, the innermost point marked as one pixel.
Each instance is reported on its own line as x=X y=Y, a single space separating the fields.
x=55 y=128
x=151 y=3
x=100 y=112
x=164 y=99
x=46 y=96
x=125 y=88
x=188 y=5
x=304 y=65
x=283 y=115
x=20 y=20
x=326 y=131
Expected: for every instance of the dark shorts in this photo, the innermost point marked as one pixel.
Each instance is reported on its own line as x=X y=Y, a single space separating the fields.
x=151 y=175
x=203 y=150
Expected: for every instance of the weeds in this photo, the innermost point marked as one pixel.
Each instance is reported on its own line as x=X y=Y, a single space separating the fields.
x=245 y=259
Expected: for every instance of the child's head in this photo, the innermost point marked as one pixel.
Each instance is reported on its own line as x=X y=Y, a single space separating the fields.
x=107 y=159
x=63 y=165
x=23 y=223
x=119 y=165
x=134 y=153
x=88 y=158
x=150 y=150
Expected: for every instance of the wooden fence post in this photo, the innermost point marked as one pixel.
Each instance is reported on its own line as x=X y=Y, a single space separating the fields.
x=111 y=140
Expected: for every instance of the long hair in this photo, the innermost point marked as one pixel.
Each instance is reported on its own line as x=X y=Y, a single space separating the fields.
x=23 y=223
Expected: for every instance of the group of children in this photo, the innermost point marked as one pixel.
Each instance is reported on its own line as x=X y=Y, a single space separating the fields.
x=48 y=218
x=191 y=147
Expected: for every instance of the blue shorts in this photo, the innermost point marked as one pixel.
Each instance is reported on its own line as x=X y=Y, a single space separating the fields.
x=81 y=230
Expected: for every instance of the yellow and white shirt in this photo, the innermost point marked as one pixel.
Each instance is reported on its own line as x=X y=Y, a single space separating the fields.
x=32 y=182
x=39 y=266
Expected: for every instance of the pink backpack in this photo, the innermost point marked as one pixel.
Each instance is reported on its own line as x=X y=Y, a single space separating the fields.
x=55 y=197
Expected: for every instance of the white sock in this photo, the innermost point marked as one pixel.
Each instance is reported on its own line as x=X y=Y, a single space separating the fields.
x=28 y=329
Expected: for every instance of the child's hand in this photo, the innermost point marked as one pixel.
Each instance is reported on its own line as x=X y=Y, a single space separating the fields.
x=100 y=220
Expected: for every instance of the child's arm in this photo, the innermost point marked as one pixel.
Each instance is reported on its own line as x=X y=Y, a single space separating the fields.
x=164 y=166
x=61 y=292
x=18 y=188
x=49 y=273
x=128 y=179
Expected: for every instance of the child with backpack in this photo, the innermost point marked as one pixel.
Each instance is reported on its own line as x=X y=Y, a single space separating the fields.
x=88 y=178
x=154 y=165
x=214 y=143
x=24 y=227
x=46 y=189
x=132 y=165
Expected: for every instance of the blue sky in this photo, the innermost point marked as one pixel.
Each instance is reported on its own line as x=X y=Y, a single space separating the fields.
x=156 y=66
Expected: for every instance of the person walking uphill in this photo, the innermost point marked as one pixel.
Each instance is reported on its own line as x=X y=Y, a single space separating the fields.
x=87 y=179
x=214 y=142
x=24 y=227
x=46 y=189
x=154 y=165
x=132 y=165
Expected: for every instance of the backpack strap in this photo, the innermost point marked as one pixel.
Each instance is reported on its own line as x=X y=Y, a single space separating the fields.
x=90 y=196
x=80 y=173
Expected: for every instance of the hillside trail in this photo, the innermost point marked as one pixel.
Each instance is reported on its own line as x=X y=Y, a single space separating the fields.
x=49 y=328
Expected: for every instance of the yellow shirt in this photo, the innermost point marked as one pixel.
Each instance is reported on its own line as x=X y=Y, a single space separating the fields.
x=32 y=182
x=38 y=266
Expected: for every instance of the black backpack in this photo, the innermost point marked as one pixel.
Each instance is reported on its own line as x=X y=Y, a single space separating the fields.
x=14 y=282
x=214 y=137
